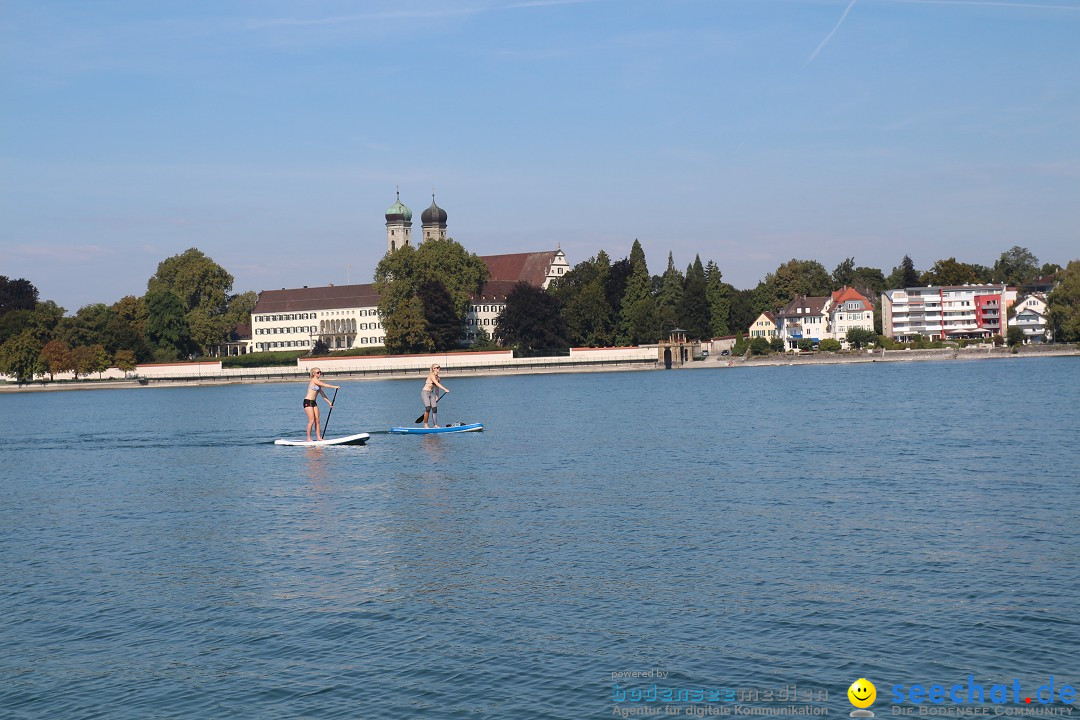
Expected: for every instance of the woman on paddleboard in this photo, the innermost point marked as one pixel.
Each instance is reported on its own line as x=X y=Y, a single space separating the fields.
x=430 y=398
x=314 y=389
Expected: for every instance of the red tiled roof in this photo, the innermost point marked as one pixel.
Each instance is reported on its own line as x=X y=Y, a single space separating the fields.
x=848 y=293
x=494 y=290
x=316 y=298
x=515 y=267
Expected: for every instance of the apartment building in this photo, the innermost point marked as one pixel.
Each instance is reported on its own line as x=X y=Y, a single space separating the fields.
x=947 y=312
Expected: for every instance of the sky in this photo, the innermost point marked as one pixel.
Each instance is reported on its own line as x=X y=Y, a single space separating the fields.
x=273 y=135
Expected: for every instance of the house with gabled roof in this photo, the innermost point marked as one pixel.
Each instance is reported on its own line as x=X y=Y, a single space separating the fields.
x=764 y=326
x=803 y=318
x=1032 y=315
x=847 y=309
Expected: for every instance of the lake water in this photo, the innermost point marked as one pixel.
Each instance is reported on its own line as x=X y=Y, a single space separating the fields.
x=748 y=529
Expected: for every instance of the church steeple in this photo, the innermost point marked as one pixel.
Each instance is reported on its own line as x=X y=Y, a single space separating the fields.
x=398 y=225
x=433 y=221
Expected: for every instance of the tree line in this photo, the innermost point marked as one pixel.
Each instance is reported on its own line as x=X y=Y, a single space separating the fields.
x=425 y=291
x=188 y=308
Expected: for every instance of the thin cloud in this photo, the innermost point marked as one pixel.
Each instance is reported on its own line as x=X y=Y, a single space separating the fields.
x=546 y=3
x=829 y=36
x=362 y=17
x=992 y=3
x=63 y=253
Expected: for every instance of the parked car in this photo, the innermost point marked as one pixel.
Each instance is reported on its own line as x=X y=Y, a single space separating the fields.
x=725 y=352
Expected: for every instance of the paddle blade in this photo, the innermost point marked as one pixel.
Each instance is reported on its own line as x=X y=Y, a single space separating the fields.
x=419 y=419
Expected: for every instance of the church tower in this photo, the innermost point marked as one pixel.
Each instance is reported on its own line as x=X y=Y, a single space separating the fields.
x=398 y=225
x=433 y=222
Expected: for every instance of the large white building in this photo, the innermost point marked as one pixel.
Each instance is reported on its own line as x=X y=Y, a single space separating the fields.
x=347 y=316
x=946 y=312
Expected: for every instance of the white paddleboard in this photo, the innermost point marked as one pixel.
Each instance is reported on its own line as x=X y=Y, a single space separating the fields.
x=358 y=439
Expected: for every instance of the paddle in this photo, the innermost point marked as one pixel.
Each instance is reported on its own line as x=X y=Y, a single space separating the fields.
x=421 y=418
x=328 y=414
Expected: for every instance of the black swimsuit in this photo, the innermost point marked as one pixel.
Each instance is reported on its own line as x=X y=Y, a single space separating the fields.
x=309 y=403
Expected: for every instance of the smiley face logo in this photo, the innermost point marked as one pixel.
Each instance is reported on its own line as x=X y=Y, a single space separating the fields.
x=862 y=693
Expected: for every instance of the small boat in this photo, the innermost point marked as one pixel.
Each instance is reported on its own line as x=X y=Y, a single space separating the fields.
x=358 y=439
x=454 y=428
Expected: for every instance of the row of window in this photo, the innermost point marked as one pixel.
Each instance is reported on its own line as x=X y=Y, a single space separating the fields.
x=312 y=316
x=285 y=330
x=341 y=343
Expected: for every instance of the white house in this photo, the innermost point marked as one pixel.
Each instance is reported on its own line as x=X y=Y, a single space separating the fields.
x=1032 y=315
x=847 y=309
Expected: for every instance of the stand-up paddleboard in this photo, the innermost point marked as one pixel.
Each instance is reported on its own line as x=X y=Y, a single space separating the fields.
x=358 y=439
x=472 y=427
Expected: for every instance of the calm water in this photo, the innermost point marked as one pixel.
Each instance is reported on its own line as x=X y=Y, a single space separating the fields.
x=755 y=528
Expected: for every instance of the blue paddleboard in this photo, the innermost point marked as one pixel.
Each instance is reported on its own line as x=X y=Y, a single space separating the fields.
x=473 y=427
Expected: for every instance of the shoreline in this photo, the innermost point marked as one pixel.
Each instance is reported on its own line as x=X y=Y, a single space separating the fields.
x=715 y=363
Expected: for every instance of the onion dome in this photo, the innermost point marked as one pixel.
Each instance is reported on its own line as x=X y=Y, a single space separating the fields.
x=434 y=215
x=397 y=211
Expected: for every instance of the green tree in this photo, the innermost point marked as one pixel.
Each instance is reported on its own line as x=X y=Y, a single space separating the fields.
x=615 y=287
x=125 y=361
x=719 y=296
x=1014 y=336
x=443 y=325
x=1016 y=266
x=950 y=272
x=903 y=276
x=760 y=346
x=483 y=340
x=669 y=295
x=583 y=294
x=90 y=325
x=20 y=356
x=203 y=288
x=167 y=325
x=19 y=294
x=793 y=278
x=1064 y=302
x=694 y=306
x=777 y=344
x=638 y=319
x=1049 y=269
x=829 y=345
x=400 y=274
x=588 y=317
x=406 y=328
x=805 y=344
x=844 y=273
x=531 y=320
x=196 y=279
x=743 y=310
x=89 y=359
x=56 y=358
x=859 y=337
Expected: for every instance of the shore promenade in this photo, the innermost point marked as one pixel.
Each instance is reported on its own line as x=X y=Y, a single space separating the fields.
x=503 y=363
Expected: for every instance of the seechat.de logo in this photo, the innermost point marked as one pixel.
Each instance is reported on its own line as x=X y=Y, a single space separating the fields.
x=862 y=694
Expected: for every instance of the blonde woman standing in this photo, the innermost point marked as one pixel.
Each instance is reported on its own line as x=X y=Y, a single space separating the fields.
x=430 y=398
x=311 y=407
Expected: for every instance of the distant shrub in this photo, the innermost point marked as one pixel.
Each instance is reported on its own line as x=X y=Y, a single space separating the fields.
x=760 y=346
x=777 y=344
x=829 y=345
x=262 y=359
x=806 y=345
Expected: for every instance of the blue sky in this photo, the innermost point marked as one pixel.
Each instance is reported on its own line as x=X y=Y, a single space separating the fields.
x=271 y=135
